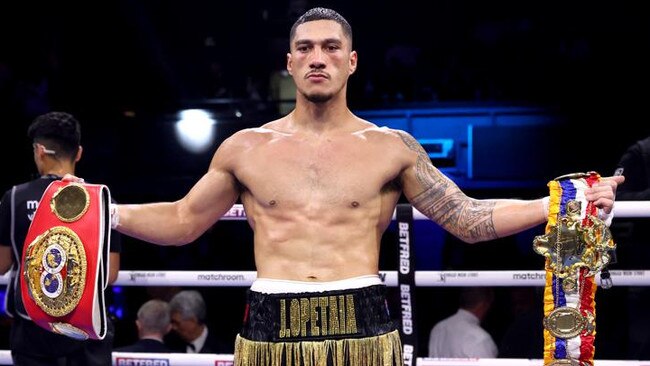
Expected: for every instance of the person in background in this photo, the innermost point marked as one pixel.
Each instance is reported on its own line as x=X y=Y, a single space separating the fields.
x=524 y=336
x=153 y=323
x=461 y=335
x=633 y=251
x=56 y=143
x=188 y=317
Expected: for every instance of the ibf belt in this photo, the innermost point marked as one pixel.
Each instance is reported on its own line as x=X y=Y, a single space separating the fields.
x=576 y=245
x=353 y=313
x=65 y=260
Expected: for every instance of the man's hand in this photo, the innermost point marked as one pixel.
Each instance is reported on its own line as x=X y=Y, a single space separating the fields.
x=603 y=193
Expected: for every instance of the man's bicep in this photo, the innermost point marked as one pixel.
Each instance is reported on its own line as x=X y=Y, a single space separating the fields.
x=212 y=196
x=423 y=184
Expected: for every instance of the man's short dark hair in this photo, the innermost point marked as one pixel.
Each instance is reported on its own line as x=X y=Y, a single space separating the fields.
x=58 y=131
x=322 y=14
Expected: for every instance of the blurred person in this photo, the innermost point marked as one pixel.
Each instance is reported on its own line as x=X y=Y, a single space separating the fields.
x=319 y=187
x=635 y=165
x=188 y=319
x=524 y=338
x=153 y=323
x=461 y=335
x=55 y=138
x=633 y=250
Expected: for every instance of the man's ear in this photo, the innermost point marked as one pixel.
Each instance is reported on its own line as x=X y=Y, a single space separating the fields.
x=289 y=64
x=79 y=152
x=353 y=61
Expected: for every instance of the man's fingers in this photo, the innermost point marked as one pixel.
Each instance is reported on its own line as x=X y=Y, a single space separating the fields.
x=618 y=179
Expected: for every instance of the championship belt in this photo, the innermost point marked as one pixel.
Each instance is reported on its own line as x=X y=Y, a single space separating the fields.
x=576 y=245
x=65 y=260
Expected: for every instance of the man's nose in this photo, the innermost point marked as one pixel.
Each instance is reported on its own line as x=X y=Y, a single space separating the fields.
x=317 y=60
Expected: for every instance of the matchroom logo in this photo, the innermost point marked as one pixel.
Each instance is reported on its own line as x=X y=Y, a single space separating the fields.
x=529 y=276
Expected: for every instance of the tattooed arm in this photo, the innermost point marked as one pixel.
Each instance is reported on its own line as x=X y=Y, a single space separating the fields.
x=471 y=220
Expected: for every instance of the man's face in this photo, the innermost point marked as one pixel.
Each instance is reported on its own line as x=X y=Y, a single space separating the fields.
x=186 y=328
x=321 y=60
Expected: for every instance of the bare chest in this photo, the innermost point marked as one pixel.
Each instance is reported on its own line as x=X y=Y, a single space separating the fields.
x=327 y=172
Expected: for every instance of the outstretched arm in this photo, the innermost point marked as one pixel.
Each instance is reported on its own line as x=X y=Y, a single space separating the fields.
x=472 y=220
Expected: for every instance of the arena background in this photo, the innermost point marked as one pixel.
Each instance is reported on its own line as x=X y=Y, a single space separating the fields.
x=126 y=68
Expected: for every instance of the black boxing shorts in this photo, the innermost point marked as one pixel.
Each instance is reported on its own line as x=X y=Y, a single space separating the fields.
x=338 y=327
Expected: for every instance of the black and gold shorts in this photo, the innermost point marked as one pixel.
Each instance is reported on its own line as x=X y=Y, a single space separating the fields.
x=342 y=327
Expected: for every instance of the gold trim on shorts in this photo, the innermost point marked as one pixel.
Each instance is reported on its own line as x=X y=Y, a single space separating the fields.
x=381 y=350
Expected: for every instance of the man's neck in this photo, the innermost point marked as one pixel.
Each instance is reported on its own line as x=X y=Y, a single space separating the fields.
x=155 y=337
x=58 y=169
x=319 y=119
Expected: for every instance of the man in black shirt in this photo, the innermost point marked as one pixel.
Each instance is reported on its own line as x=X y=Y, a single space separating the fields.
x=55 y=139
x=633 y=250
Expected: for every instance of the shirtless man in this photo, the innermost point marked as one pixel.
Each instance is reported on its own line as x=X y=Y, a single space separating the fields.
x=319 y=187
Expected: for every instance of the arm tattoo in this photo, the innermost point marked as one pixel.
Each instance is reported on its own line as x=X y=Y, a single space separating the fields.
x=443 y=202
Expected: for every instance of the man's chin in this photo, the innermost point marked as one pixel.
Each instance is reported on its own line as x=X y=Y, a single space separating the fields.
x=318 y=98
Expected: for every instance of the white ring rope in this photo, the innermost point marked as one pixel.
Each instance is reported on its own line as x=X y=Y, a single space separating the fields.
x=422 y=278
x=197 y=359
x=621 y=209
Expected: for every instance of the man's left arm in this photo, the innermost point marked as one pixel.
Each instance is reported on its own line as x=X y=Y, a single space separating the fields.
x=472 y=220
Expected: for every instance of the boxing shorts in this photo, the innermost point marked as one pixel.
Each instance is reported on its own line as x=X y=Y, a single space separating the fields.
x=348 y=326
x=65 y=260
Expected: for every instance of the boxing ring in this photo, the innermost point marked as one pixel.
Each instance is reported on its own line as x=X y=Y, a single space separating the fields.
x=623 y=209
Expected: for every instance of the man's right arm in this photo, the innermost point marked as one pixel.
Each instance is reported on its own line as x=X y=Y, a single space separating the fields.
x=183 y=221
x=6 y=258
x=6 y=251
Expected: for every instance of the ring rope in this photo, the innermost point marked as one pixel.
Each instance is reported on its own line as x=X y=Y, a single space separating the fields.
x=621 y=209
x=422 y=278
x=196 y=359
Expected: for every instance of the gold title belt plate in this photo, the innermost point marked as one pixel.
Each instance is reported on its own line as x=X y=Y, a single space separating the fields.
x=565 y=322
x=569 y=245
x=70 y=203
x=55 y=270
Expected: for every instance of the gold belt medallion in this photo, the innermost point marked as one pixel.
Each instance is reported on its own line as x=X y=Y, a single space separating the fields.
x=71 y=202
x=55 y=270
x=565 y=322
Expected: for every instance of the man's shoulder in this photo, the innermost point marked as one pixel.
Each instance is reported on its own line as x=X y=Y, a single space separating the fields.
x=253 y=134
x=371 y=130
x=36 y=186
x=644 y=144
